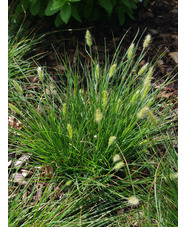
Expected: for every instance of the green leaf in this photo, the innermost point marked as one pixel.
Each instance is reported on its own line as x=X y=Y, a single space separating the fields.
x=129 y=4
x=34 y=8
x=121 y=15
x=49 y=11
x=57 y=4
x=74 y=0
x=75 y=13
x=58 y=20
x=106 y=4
x=33 y=1
x=65 y=12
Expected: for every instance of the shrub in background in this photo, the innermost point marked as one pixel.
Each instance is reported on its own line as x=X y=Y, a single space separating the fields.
x=78 y=9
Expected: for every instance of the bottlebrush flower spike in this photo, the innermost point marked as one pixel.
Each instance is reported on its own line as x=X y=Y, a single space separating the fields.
x=104 y=99
x=40 y=74
x=142 y=70
x=111 y=140
x=147 y=83
x=88 y=38
x=69 y=128
x=97 y=72
x=146 y=41
x=98 y=116
x=130 y=51
x=151 y=116
x=119 y=165
x=142 y=112
x=173 y=176
x=112 y=70
x=118 y=105
x=149 y=76
x=133 y=200
x=116 y=158
x=135 y=96
x=15 y=109
x=17 y=87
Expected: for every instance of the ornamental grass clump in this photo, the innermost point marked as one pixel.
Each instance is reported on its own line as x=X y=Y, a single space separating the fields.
x=91 y=131
x=121 y=112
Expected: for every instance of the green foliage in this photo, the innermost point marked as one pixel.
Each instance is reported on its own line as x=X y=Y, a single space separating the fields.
x=78 y=9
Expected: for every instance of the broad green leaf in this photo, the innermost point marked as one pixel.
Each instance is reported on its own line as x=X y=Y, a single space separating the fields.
x=57 y=4
x=106 y=4
x=121 y=15
x=74 y=0
x=58 y=20
x=33 y=1
x=34 y=8
x=49 y=11
x=129 y=4
x=75 y=13
x=65 y=12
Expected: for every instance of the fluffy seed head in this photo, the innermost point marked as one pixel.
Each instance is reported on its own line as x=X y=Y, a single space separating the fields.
x=142 y=70
x=68 y=183
x=98 y=116
x=133 y=200
x=97 y=72
x=88 y=38
x=69 y=128
x=130 y=51
x=116 y=158
x=15 y=109
x=111 y=140
x=118 y=105
x=112 y=70
x=17 y=87
x=151 y=116
x=173 y=176
x=147 y=83
x=119 y=165
x=134 y=96
x=142 y=112
x=40 y=74
x=147 y=41
x=104 y=99
x=145 y=90
x=149 y=76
